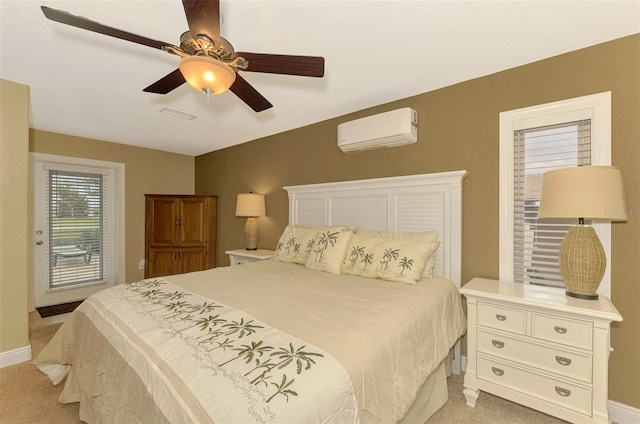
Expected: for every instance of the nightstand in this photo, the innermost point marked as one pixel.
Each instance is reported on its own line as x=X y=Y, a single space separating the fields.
x=243 y=256
x=535 y=346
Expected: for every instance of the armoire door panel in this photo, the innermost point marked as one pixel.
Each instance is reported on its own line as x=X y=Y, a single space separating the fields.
x=161 y=262
x=162 y=220
x=193 y=222
x=191 y=260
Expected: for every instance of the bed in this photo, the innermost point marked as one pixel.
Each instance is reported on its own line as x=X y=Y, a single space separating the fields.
x=281 y=340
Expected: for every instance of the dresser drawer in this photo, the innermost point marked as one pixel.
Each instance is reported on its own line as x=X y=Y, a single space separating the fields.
x=561 y=393
x=562 y=330
x=569 y=364
x=503 y=318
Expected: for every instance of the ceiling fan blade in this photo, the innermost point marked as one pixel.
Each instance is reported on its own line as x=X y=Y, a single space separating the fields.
x=84 y=23
x=167 y=83
x=249 y=95
x=306 y=66
x=203 y=17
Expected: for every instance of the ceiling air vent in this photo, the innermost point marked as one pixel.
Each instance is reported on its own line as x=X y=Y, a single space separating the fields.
x=179 y=114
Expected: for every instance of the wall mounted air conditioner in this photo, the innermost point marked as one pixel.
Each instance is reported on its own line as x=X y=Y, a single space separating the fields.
x=389 y=129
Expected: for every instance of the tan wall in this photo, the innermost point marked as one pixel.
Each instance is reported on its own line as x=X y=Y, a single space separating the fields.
x=459 y=130
x=14 y=155
x=146 y=171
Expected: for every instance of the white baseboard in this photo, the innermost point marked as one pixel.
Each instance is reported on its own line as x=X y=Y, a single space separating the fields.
x=623 y=414
x=15 y=356
x=619 y=413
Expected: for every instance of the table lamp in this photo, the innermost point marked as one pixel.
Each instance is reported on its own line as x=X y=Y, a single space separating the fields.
x=250 y=205
x=579 y=193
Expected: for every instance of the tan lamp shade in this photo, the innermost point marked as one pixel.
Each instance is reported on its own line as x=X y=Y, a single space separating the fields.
x=578 y=193
x=250 y=205
x=589 y=192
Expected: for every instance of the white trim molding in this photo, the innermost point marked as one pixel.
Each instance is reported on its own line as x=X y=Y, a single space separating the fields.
x=15 y=356
x=623 y=414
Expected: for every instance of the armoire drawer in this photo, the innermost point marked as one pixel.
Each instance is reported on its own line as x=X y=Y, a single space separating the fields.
x=562 y=362
x=559 y=392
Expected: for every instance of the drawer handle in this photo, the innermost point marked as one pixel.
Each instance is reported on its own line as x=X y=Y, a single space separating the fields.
x=499 y=372
x=563 y=392
x=501 y=317
x=560 y=330
x=499 y=344
x=563 y=361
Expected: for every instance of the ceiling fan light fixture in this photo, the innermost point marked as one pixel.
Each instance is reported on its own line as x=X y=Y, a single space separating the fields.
x=206 y=74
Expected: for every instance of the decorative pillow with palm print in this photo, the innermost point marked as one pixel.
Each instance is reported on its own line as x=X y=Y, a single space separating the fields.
x=359 y=258
x=328 y=250
x=424 y=236
x=296 y=242
x=392 y=260
x=289 y=244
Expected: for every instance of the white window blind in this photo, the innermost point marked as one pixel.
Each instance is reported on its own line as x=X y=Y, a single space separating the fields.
x=538 y=150
x=78 y=227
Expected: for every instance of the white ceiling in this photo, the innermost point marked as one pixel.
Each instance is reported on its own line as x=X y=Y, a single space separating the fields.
x=90 y=85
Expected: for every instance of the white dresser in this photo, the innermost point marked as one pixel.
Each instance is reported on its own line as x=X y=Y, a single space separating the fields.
x=243 y=256
x=535 y=346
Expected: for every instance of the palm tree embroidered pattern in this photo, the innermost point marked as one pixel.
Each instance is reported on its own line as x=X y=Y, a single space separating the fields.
x=325 y=239
x=221 y=342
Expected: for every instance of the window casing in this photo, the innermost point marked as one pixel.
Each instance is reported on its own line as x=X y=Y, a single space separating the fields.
x=532 y=141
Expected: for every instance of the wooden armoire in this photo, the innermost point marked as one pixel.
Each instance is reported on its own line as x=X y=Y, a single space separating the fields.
x=180 y=234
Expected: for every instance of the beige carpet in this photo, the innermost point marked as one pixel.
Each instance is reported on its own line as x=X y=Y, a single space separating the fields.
x=27 y=397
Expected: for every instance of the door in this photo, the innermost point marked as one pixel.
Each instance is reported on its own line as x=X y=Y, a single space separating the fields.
x=191 y=260
x=162 y=221
x=161 y=261
x=170 y=261
x=193 y=221
x=74 y=231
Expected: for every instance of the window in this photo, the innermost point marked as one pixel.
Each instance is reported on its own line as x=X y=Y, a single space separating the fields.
x=533 y=141
x=536 y=245
x=79 y=230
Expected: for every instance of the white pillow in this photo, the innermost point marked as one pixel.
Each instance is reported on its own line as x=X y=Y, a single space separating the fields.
x=425 y=236
x=391 y=260
x=328 y=250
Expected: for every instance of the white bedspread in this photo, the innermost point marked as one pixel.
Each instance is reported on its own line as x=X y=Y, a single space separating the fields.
x=387 y=336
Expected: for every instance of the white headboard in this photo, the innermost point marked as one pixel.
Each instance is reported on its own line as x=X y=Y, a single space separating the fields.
x=414 y=203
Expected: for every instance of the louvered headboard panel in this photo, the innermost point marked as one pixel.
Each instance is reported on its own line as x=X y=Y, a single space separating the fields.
x=427 y=202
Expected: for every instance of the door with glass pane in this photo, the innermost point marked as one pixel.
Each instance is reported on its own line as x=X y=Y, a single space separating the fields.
x=74 y=216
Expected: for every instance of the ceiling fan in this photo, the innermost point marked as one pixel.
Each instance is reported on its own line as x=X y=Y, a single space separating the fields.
x=208 y=62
